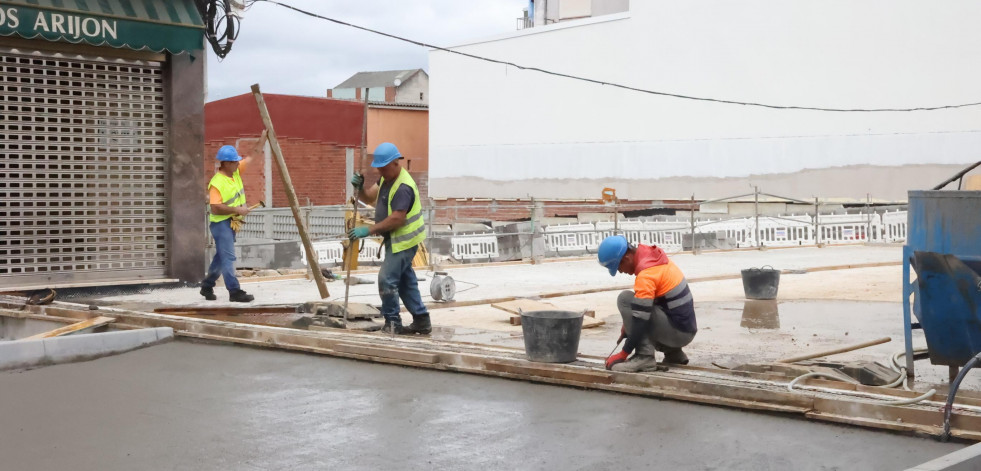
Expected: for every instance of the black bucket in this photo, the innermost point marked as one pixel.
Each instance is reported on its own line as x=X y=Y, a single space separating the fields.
x=761 y=283
x=551 y=336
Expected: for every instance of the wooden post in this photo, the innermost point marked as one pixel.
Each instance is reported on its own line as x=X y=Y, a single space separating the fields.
x=290 y=193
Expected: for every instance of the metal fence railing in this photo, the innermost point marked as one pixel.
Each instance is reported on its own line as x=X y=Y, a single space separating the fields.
x=501 y=231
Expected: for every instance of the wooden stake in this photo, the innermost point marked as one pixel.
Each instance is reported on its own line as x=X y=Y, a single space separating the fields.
x=290 y=193
x=846 y=348
x=71 y=329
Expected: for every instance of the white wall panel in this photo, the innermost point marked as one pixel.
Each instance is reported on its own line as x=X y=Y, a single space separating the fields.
x=500 y=123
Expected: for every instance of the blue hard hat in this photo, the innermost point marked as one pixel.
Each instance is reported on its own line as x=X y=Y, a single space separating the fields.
x=384 y=154
x=611 y=251
x=228 y=154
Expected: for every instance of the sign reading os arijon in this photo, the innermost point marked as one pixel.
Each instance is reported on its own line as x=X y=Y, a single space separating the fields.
x=114 y=30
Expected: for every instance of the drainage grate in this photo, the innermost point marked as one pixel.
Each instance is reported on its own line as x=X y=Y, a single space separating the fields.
x=82 y=168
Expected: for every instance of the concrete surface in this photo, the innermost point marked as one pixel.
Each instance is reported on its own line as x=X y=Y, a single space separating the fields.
x=965 y=459
x=192 y=406
x=525 y=280
x=817 y=309
x=77 y=347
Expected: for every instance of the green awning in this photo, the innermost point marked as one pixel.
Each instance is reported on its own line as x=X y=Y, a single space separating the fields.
x=157 y=25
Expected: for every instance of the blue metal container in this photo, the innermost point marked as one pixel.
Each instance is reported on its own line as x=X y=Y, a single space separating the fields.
x=944 y=248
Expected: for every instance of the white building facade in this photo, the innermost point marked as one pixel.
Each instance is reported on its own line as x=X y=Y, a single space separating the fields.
x=498 y=131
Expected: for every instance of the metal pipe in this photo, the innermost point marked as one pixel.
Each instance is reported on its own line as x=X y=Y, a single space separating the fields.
x=756 y=195
x=956 y=176
x=354 y=243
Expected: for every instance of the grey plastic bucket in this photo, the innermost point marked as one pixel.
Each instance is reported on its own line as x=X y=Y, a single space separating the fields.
x=551 y=336
x=761 y=283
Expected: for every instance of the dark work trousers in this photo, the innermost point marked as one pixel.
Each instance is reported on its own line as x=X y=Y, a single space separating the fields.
x=397 y=279
x=224 y=262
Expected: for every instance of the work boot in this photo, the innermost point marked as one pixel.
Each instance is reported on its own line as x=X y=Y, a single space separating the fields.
x=392 y=327
x=419 y=325
x=240 y=296
x=637 y=364
x=675 y=356
x=208 y=293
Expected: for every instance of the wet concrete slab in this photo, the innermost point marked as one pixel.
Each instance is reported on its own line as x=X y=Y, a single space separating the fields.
x=192 y=406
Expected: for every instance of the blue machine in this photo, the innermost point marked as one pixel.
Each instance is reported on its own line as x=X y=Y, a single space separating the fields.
x=944 y=249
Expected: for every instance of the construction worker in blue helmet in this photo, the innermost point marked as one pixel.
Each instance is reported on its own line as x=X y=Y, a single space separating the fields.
x=226 y=195
x=398 y=220
x=658 y=314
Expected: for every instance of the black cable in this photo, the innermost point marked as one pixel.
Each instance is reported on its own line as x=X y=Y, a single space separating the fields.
x=949 y=406
x=616 y=85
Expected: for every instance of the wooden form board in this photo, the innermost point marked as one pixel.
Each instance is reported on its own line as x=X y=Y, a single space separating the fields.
x=73 y=328
x=516 y=306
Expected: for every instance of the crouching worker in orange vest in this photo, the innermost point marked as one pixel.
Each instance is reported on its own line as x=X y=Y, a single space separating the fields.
x=658 y=315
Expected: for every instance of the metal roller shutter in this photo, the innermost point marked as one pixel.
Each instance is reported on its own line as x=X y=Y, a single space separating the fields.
x=83 y=162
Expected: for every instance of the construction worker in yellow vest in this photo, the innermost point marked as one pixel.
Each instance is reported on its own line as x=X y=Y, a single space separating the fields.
x=226 y=195
x=398 y=219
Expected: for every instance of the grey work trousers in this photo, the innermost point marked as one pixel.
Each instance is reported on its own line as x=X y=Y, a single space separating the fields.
x=662 y=333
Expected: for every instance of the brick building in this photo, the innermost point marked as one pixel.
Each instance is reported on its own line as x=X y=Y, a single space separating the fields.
x=320 y=139
x=315 y=134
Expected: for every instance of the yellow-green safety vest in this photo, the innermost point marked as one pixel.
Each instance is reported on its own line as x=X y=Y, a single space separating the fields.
x=413 y=232
x=232 y=192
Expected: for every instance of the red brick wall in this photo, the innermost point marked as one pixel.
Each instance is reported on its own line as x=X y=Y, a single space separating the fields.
x=313 y=134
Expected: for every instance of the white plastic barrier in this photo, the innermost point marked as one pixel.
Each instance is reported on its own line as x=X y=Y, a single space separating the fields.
x=894 y=226
x=474 y=247
x=667 y=235
x=634 y=231
x=332 y=252
x=786 y=231
x=327 y=252
x=567 y=238
x=371 y=251
x=739 y=232
x=848 y=228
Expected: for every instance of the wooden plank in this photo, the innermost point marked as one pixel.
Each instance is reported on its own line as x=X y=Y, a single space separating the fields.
x=73 y=328
x=587 y=322
x=18 y=313
x=526 y=305
x=550 y=372
x=225 y=311
x=393 y=353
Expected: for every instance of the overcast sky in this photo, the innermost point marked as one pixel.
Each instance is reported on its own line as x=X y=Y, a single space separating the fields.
x=290 y=53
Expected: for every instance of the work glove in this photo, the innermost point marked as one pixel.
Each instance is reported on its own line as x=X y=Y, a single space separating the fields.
x=616 y=358
x=358 y=181
x=358 y=232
